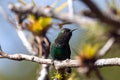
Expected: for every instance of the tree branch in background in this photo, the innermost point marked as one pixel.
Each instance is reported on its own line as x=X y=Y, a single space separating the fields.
x=108 y=62
x=19 y=31
x=106 y=47
x=70 y=7
x=50 y=12
x=44 y=71
x=110 y=20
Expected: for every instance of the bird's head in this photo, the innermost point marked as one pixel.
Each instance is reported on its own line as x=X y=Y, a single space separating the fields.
x=64 y=35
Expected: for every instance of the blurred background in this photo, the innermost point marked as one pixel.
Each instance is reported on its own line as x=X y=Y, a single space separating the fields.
x=25 y=70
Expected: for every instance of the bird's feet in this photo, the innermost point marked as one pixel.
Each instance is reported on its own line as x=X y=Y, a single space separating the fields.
x=67 y=60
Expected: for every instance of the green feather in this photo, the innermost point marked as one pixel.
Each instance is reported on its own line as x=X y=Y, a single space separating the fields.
x=60 y=52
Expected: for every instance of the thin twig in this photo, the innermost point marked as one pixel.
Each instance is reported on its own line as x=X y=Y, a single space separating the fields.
x=7 y=17
x=98 y=74
x=70 y=7
x=106 y=47
x=25 y=42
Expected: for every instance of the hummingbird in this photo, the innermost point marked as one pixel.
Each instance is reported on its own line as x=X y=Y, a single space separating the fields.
x=60 y=49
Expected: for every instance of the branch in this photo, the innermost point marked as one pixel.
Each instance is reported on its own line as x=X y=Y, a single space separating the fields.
x=108 y=62
x=21 y=57
x=109 y=19
x=106 y=47
x=70 y=8
x=50 y=12
x=59 y=64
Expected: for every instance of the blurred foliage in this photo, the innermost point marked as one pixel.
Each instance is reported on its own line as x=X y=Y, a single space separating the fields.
x=57 y=76
x=93 y=38
x=114 y=6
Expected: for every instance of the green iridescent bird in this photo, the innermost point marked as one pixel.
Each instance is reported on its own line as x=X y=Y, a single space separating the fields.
x=60 y=49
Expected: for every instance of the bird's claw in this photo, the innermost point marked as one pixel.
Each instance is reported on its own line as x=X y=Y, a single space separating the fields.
x=67 y=60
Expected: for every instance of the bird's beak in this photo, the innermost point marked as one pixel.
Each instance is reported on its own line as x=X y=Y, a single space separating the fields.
x=74 y=29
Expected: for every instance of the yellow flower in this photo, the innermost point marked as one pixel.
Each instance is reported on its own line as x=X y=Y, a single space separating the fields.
x=58 y=76
x=89 y=51
x=38 y=25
